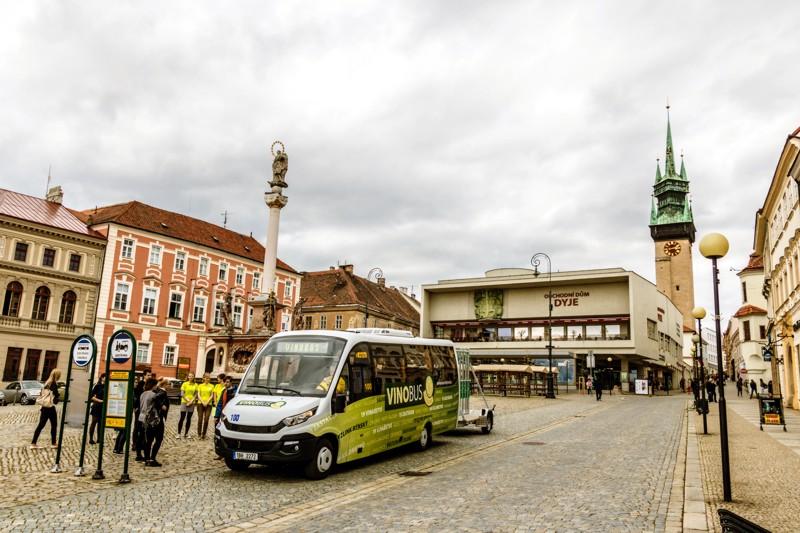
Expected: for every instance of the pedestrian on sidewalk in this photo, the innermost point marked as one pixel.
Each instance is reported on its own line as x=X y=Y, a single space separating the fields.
x=151 y=416
x=696 y=389
x=711 y=391
x=739 y=386
x=219 y=388
x=228 y=392
x=589 y=384
x=96 y=410
x=205 y=395
x=47 y=400
x=138 y=428
x=763 y=386
x=769 y=388
x=188 y=401
x=598 y=391
x=682 y=383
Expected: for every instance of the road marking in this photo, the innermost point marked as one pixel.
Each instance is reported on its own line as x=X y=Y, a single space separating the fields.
x=282 y=518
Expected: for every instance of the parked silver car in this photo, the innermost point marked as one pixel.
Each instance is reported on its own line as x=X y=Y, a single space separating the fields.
x=24 y=392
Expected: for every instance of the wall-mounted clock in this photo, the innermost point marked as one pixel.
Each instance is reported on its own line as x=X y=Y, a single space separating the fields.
x=672 y=248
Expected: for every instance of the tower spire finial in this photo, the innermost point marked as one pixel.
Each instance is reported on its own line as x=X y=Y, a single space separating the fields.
x=669 y=160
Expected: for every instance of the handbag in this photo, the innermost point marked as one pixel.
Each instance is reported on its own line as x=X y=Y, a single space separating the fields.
x=45 y=399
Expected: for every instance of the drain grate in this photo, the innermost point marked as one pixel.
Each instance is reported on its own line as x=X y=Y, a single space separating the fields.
x=533 y=443
x=414 y=473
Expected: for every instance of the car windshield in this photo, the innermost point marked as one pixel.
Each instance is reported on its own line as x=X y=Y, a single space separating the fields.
x=32 y=385
x=301 y=366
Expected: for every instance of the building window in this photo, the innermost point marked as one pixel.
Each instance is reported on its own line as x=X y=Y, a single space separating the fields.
x=127 y=249
x=308 y=322
x=180 y=261
x=199 y=312
x=204 y=266
x=285 y=322
x=287 y=289
x=121 y=296
x=256 y=280
x=520 y=334
x=337 y=322
x=143 y=353
x=323 y=322
x=240 y=275
x=175 y=304
x=652 y=329
x=218 y=314
x=762 y=332
x=13 y=362
x=48 y=257
x=169 y=355
x=21 y=252
x=223 y=272
x=155 y=255
x=12 y=299
x=250 y=316
x=40 y=301
x=237 y=316
x=744 y=292
x=31 y=364
x=149 y=300
x=594 y=332
x=50 y=363
x=746 y=330
x=74 y=263
x=65 y=315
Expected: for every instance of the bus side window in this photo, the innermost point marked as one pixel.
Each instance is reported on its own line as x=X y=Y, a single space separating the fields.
x=418 y=363
x=360 y=373
x=444 y=364
x=388 y=366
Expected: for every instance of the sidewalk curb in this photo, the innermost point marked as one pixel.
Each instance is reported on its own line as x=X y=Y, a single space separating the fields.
x=694 y=502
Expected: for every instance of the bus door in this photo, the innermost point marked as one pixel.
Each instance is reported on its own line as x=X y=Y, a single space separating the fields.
x=360 y=373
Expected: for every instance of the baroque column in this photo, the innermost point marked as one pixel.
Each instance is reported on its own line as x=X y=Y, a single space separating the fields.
x=265 y=306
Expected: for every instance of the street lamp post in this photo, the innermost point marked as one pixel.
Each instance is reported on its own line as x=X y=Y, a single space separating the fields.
x=535 y=261
x=699 y=313
x=376 y=273
x=714 y=246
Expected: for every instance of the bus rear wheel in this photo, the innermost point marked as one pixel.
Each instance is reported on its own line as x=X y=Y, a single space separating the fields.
x=322 y=462
x=424 y=441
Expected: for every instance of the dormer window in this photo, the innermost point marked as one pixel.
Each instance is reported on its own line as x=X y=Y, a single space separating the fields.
x=216 y=239
x=164 y=225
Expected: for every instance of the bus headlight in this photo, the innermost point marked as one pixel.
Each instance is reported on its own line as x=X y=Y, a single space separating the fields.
x=299 y=419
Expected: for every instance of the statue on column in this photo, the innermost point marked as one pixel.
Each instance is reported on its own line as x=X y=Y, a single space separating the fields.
x=280 y=165
x=269 y=312
x=227 y=313
x=297 y=314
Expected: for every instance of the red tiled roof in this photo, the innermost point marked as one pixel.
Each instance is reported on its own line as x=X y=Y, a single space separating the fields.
x=40 y=211
x=162 y=222
x=338 y=287
x=756 y=262
x=749 y=310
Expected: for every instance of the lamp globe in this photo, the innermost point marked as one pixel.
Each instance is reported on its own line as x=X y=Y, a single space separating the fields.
x=714 y=246
x=696 y=338
x=699 y=313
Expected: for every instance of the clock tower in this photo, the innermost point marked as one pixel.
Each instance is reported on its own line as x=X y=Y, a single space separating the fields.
x=673 y=232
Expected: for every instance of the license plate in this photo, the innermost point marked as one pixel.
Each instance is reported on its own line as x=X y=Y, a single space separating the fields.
x=245 y=456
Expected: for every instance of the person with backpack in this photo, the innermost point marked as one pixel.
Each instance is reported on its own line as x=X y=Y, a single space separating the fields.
x=47 y=400
x=151 y=406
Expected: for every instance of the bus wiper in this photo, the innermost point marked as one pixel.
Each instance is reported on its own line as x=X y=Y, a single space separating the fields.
x=269 y=391
x=282 y=390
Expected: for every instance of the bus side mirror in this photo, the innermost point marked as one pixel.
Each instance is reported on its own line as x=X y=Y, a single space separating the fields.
x=339 y=403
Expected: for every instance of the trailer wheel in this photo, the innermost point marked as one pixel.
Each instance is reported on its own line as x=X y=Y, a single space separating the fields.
x=489 y=424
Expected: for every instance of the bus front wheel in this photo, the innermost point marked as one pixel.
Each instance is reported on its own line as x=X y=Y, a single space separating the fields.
x=322 y=462
x=424 y=441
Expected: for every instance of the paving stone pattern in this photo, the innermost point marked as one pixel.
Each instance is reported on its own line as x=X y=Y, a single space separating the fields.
x=578 y=480
x=765 y=474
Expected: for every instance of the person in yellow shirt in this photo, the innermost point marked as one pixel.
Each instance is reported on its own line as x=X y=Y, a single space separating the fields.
x=188 y=401
x=324 y=385
x=205 y=395
x=219 y=389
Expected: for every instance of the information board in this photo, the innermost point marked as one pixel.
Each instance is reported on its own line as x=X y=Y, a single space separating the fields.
x=117 y=399
x=641 y=386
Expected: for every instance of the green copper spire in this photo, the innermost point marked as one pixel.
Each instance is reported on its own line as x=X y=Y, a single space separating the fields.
x=669 y=162
x=671 y=210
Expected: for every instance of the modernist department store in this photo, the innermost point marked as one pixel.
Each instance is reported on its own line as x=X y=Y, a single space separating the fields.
x=633 y=330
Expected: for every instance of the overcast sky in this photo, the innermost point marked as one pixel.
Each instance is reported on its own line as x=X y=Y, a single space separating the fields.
x=431 y=139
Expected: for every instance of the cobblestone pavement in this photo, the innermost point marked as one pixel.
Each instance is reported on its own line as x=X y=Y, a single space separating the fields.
x=764 y=472
x=608 y=470
x=577 y=480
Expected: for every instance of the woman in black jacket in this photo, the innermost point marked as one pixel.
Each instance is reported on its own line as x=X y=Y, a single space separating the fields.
x=48 y=400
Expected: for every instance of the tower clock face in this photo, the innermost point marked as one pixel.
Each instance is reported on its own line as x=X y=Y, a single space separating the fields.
x=672 y=248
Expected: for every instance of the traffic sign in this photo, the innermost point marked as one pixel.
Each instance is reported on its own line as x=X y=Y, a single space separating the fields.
x=83 y=350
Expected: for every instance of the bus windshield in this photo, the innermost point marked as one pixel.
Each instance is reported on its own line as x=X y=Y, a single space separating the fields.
x=300 y=366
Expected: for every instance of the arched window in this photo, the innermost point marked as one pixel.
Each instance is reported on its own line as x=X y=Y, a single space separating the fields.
x=67 y=307
x=40 y=301
x=12 y=299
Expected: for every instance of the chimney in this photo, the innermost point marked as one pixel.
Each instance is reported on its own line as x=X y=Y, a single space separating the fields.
x=347 y=268
x=55 y=194
x=382 y=282
x=404 y=290
x=332 y=268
